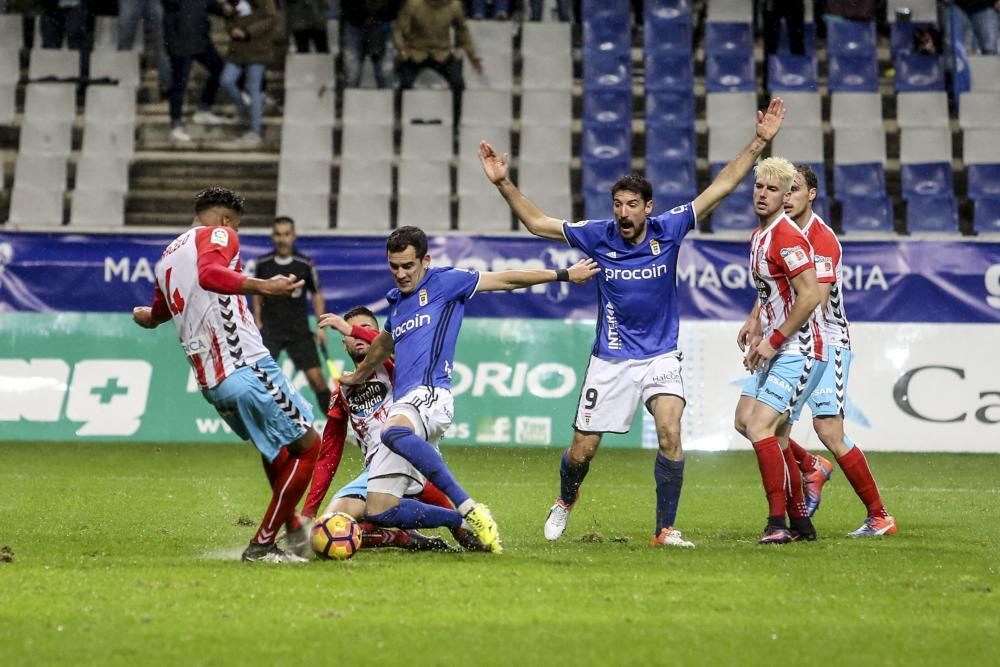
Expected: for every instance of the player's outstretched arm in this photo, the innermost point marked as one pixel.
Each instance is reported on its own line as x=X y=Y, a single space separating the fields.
x=504 y=281
x=768 y=124
x=380 y=350
x=496 y=168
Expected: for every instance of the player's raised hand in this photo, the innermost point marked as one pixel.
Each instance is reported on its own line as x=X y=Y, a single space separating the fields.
x=143 y=316
x=583 y=271
x=281 y=285
x=335 y=321
x=494 y=166
x=769 y=122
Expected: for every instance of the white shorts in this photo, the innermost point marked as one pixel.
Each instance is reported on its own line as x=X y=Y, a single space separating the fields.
x=612 y=390
x=431 y=411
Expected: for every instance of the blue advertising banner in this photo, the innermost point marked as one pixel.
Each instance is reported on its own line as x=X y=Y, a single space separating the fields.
x=885 y=281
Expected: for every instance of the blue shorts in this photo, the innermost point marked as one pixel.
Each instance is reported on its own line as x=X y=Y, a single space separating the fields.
x=827 y=399
x=356 y=487
x=786 y=383
x=259 y=405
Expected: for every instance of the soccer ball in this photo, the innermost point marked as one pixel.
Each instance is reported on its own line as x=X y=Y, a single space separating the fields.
x=336 y=536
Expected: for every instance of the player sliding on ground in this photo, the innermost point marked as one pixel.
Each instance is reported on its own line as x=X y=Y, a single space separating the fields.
x=425 y=315
x=635 y=357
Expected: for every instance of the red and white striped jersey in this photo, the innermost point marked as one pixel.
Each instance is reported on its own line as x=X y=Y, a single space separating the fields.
x=827 y=253
x=777 y=254
x=216 y=331
x=367 y=407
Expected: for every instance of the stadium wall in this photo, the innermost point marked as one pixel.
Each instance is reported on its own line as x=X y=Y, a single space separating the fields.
x=925 y=324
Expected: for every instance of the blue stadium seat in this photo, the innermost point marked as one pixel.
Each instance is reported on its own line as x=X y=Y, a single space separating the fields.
x=853 y=73
x=674 y=182
x=859 y=180
x=809 y=37
x=735 y=213
x=729 y=72
x=597 y=204
x=666 y=70
x=670 y=143
x=901 y=35
x=668 y=108
x=728 y=37
x=667 y=8
x=821 y=207
x=931 y=213
x=667 y=34
x=609 y=70
x=790 y=72
x=606 y=142
x=744 y=190
x=983 y=180
x=927 y=179
x=601 y=174
x=607 y=32
x=607 y=106
x=843 y=36
x=593 y=8
x=986 y=216
x=918 y=72
x=866 y=214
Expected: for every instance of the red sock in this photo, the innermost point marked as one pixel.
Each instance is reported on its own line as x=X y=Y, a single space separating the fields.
x=434 y=496
x=856 y=470
x=273 y=468
x=373 y=536
x=773 y=472
x=806 y=461
x=287 y=489
x=796 y=502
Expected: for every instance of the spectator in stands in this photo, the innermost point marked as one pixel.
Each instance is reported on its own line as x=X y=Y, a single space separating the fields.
x=187 y=38
x=69 y=22
x=251 y=29
x=151 y=13
x=306 y=21
x=975 y=19
x=422 y=36
x=794 y=12
x=563 y=10
x=367 y=33
x=498 y=9
x=855 y=10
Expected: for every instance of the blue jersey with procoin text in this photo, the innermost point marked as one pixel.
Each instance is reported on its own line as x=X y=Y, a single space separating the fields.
x=424 y=327
x=637 y=284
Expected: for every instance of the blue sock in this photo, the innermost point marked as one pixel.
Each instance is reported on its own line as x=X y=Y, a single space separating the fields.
x=571 y=477
x=415 y=514
x=669 y=476
x=424 y=458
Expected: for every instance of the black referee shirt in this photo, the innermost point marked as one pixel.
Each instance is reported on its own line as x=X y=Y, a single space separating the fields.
x=287 y=315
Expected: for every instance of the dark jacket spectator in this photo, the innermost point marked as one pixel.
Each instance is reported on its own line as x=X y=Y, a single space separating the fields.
x=256 y=46
x=366 y=34
x=306 y=20
x=423 y=29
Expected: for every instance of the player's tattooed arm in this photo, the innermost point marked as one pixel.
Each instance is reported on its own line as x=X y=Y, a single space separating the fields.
x=496 y=167
x=504 y=281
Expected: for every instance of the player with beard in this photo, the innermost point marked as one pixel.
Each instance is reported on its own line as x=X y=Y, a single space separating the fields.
x=635 y=357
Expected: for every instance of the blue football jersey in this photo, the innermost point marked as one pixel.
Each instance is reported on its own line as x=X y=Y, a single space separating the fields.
x=424 y=326
x=637 y=285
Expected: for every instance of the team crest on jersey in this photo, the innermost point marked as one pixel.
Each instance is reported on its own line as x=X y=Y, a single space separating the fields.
x=422 y=297
x=220 y=236
x=654 y=245
x=794 y=258
x=613 y=254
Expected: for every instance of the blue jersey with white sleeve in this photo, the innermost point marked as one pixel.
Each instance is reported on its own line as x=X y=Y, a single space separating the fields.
x=637 y=284
x=424 y=327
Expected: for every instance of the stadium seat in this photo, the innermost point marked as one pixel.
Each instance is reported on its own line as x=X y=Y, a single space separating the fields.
x=423 y=177
x=983 y=180
x=666 y=70
x=609 y=31
x=805 y=109
x=368 y=107
x=866 y=214
x=30 y=206
x=310 y=106
x=545 y=39
x=372 y=177
x=429 y=212
x=852 y=72
x=606 y=142
x=470 y=136
x=984 y=73
x=596 y=204
x=10 y=68
x=607 y=70
x=311 y=211
x=101 y=172
x=743 y=189
x=733 y=11
x=662 y=33
x=363 y=212
x=919 y=11
x=498 y=72
x=11 y=35
x=46 y=102
x=602 y=174
x=674 y=182
x=901 y=35
x=54 y=64
x=799 y=144
x=333 y=35
x=92 y=207
x=728 y=37
x=543 y=107
x=919 y=72
x=487 y=107
x=846 y=36
x=859 y=180
x=923 y=109
x=729 y=72
x=809 y=38
x=821 y=207
x=932 y=178
x=734 y=214
x=538 y=178
x=856 y=146
x=856 y=110
x=986 y=216
x=558 y=205
x=426 y=142
x=725 y=143
x=120 y=66
x=46 y=138
x=492 y=36
x=116 y=139
x=484 y=213
x=931 y=213
x=978 y=109
x=310 y=70
x=310 y=141
x=725 y=110
x=671 y=143
x=918 y=145
x=666 y=9
x=304 y=176
x=545 y=144
x=426 y=107
x=40 y=172
x=8 y=101
x=981 y=146
x=606 y=106
x=791 y=72
x=110 y=104
x=552 y=72
x=668 y=108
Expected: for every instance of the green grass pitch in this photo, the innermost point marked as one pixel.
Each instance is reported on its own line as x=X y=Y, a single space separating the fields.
x=127 y=555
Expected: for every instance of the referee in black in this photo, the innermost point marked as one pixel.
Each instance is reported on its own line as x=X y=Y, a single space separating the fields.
x=284 y=323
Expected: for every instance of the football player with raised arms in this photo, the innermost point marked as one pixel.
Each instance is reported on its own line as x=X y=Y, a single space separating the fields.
x=635 y=356
x=425 y=315
x=201 y=287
